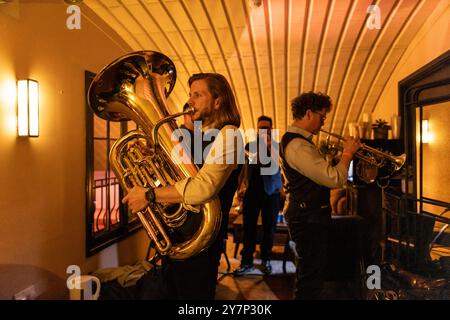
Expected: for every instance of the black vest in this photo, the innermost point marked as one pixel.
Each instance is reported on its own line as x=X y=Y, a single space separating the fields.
x=226 y=196
x=227 y=192
x=307 y=201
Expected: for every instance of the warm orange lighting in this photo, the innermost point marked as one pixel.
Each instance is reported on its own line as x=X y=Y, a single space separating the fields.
x=8 y=112
x=27 y=108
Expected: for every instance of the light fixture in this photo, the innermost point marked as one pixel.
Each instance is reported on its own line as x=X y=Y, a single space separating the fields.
x=27 y=108
x=425 y=132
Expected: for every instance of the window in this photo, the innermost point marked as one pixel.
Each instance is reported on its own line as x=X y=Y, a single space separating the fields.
x=107 y=220
x=424 y=207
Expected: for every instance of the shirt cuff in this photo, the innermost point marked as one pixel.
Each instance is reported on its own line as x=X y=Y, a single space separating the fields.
x=181 y=188
x=342 y=173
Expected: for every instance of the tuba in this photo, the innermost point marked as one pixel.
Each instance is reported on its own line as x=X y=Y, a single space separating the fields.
x=374 y=164
x=135 y=87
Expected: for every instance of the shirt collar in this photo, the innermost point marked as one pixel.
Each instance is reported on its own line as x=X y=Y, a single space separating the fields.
x=308 y=135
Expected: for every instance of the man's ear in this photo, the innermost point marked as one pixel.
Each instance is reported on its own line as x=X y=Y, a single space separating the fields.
x=217 y=103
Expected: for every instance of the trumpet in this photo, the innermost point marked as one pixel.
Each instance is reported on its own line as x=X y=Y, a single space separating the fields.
x=372 y=160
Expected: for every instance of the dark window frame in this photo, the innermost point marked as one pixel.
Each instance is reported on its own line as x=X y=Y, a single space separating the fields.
x=406 y=218
x=427 y=86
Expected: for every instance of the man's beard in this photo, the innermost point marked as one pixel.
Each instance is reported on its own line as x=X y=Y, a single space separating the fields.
x=205 y=116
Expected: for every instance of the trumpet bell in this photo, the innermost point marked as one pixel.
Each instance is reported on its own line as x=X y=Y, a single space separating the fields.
x=399 y=161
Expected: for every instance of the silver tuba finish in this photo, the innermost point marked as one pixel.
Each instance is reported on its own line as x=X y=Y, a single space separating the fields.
x=135 y=87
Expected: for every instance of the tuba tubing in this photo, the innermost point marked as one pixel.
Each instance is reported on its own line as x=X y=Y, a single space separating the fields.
x=136 y=87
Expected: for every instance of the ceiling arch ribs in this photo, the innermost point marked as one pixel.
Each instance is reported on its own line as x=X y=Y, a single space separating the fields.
x=241 y=65
x=269 y=37
x=411 y=27
x=368 y=60
x=197 y=34
x=383 y=57
x=171 y=48
x=222 y=53
x=331 y=82
x=287 y=54
x=255 y=57
x=273 y=52
x=356 y=42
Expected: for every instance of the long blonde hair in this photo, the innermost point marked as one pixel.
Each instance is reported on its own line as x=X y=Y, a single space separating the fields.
x=219 y=87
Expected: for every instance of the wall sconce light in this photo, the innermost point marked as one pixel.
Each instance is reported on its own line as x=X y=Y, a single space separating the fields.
x=27 y=108
x=425 y=132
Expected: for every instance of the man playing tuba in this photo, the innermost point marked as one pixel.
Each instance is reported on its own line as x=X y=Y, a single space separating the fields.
x=214 y=104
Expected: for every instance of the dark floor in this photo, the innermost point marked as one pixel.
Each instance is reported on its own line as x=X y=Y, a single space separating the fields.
x=255 y=286
x=277 y=286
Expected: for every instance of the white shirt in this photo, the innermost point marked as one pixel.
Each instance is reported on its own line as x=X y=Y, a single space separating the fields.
x=304 y=157
x=210 y=179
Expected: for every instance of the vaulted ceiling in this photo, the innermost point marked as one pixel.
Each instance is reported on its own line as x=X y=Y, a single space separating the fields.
x=273 y=51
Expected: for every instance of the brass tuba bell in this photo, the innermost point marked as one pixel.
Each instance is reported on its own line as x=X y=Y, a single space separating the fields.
x=135 y=87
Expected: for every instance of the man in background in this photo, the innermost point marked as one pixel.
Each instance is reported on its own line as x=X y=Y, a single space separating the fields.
x=262 y=195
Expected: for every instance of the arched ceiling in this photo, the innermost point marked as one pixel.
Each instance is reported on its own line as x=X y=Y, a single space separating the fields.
x=272 y=52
